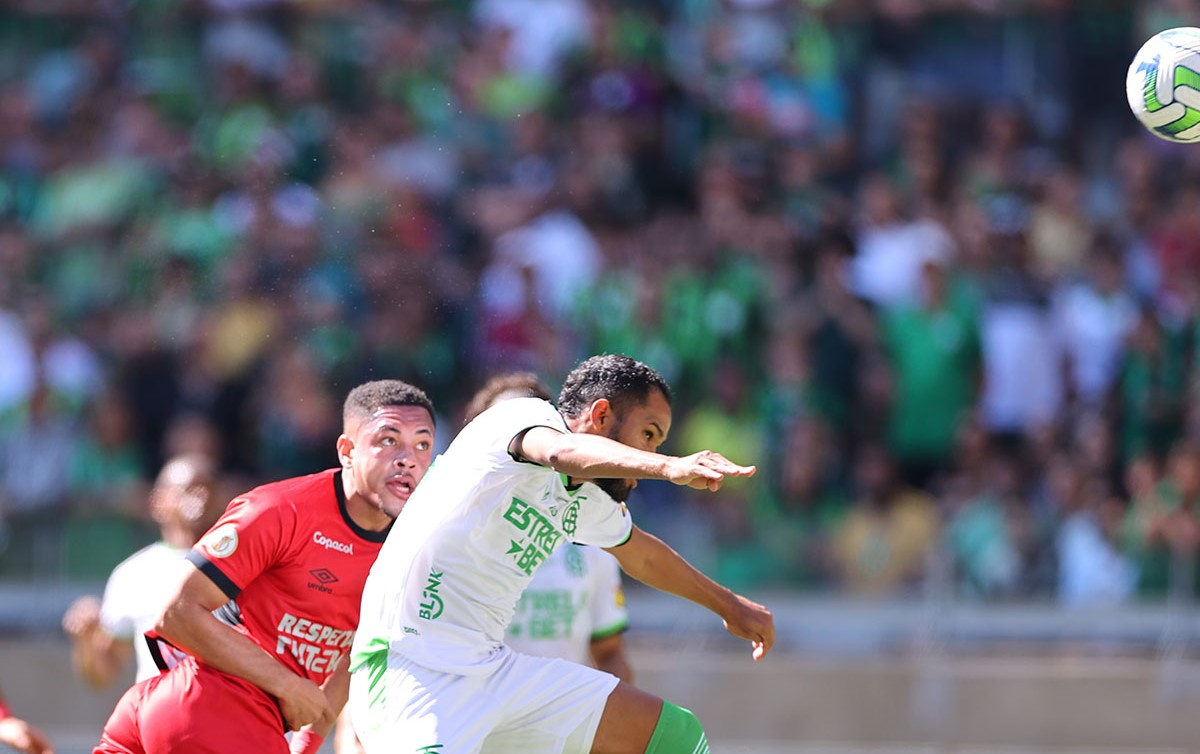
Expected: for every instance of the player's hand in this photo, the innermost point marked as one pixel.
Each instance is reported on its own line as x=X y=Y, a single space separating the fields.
x=23 y=737
x=753 y=622
x=82 y=617
x=304 y=703
x=705 y=470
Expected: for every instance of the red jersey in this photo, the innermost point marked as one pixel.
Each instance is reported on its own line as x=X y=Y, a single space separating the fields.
x=295 y=562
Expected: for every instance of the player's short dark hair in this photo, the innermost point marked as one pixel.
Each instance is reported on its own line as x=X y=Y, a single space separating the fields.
x=509 y=385
x=369 y=397
x=620 y=379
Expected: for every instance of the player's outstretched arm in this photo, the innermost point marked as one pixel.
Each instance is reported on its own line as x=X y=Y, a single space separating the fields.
x=586 y=456
x=188 y=623
x=651 y=561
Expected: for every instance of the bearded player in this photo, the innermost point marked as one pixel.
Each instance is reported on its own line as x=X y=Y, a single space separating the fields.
x=430 y=669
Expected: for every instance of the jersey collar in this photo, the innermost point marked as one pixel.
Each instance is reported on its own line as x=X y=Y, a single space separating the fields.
x=367 y=534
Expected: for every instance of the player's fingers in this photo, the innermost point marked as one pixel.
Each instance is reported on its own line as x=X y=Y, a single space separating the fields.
x=720 y=463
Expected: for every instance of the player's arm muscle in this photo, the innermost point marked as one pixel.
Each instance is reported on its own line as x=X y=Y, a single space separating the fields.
x=586 y=456
x=581 y=455
x=651 y=561
x=337 y=691
x=187 y=622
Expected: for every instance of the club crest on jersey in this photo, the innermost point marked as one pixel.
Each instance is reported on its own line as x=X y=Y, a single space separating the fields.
x=222 y=541
x=570 y=518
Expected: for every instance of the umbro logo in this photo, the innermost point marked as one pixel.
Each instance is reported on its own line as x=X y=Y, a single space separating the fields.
x=323 y=577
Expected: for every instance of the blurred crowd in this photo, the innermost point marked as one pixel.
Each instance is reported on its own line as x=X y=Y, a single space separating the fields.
x=915 y=260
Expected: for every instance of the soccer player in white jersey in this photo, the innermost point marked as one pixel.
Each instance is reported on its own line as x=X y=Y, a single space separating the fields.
x=106 y=633
x=430 y=671
x=574 y=607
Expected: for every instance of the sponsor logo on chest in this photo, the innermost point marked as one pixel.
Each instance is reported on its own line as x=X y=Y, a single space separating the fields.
x=332 y=544
x=432 y=606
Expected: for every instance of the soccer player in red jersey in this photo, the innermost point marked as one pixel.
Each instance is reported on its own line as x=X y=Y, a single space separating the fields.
x=293 y=555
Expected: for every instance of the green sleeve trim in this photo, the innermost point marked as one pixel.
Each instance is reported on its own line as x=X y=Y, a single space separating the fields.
x=628 y=537
x=619 y=627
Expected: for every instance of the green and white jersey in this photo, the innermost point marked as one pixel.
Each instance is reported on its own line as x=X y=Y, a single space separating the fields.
x=574 y=599
x=447 y=580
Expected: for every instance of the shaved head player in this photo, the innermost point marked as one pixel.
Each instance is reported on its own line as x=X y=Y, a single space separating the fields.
x=294 y=555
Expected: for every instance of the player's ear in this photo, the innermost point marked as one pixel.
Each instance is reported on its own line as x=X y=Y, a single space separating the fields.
x=600 y=413
x=345 y=446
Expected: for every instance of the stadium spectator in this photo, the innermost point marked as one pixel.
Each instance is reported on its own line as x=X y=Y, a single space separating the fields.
x=106 y=633
x=884 y=544
x=1091 y=567
x=933 y=346
x=292 y=555
x=1093 y=318
x=176 y=179
x=36 y=447
x=1162 y=530
x=509 y=489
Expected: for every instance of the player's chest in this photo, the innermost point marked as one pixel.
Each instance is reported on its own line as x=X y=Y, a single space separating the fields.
x=528 y=526
x=329 y=568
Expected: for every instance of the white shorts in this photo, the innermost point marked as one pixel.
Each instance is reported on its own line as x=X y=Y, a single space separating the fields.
x=526 y=706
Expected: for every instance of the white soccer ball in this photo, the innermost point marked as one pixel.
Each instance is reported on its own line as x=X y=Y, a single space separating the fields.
x=1163 y=84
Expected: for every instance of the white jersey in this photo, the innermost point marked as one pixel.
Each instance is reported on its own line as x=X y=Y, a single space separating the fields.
x=574 y=599
x=136 y=592
x=447 y=580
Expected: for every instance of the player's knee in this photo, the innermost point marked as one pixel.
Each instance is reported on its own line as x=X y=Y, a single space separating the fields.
x=678 y=732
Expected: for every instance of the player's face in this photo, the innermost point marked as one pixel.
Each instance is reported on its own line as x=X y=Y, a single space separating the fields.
x=391 y=452
x=643 y=426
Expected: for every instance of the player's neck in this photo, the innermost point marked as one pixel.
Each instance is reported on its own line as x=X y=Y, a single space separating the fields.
x=361 y=511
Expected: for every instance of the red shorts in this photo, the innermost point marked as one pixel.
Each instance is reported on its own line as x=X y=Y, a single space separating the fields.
x=193 y=709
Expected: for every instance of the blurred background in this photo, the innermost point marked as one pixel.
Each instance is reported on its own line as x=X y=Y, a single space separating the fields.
x=915 y=259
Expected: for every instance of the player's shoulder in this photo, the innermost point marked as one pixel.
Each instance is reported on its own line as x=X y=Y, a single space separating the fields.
x=292 y=491
x=149 y=557
x=489 y=434
x=518 y=410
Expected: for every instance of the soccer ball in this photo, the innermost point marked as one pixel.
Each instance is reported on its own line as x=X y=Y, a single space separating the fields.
x=1163 y=84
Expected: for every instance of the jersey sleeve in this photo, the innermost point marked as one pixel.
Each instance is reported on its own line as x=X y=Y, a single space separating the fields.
x=608 y=612
x=601 y=521
x=251 y=536
x=509 y=418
